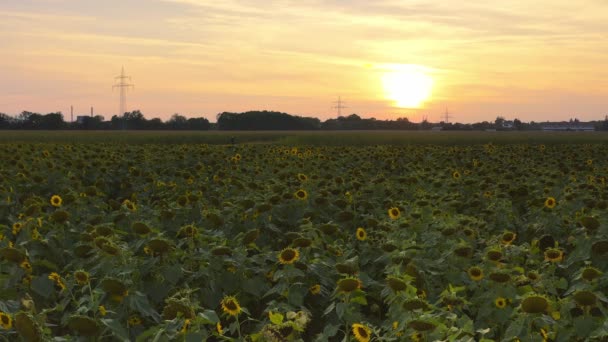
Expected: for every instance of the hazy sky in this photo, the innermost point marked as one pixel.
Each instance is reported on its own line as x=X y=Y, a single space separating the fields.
x=534 y=60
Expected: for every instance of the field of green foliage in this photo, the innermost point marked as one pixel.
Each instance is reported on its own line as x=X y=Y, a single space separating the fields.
x=382 y=237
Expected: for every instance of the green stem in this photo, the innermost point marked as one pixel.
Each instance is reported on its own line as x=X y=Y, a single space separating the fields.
x=238 y=327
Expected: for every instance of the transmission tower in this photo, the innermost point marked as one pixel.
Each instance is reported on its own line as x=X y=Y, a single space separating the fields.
x=447 y=116
x=339 y=106
x=123 y=85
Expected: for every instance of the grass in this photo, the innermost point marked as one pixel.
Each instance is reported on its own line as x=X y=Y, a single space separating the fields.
x=342 y=138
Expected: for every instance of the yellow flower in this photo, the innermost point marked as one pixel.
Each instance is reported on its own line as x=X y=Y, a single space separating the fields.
x=362 y=333
x=395 y=325
x=456 y=175
x=6 y=322
x=550 y=203
x=556 y=315
x=26 y=266
x=315 y=289
x=500 y=302
x=301 y=195
x=361 y=234
x=82 y=277
x=218 y=327
x=231 y=306
x=554 y=255
x=394 y=213
x=289 y=256
x=17 y=227
x=102 y=310
x=134 y=320
x=508 y=238
x=56 y=201
x=54 y=276
x=302 y=177
x=475 y=273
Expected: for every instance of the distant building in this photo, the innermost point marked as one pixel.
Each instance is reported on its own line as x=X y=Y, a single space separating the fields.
x=508 y=124
x=436 y=128
x=80 y=119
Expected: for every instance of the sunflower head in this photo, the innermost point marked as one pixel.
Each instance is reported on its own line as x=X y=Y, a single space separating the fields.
x=56 y=201
x=534 y=304
x=361 y=234
x=456 y=175
x=6 y=321
x=82 y=277
x=394 y=213
x=590 y=273
x=475 y=273
x=585 y=298
x=362 y=332
x=554 y=255
x=83 y=325
x=349 y=284
x=288 y=256
x=396 y=284
x=507 y=238
x=315 y=289
x=500 y=302
x=550 y=203
x=231 y=306
x=301 y=194
x=302 y=177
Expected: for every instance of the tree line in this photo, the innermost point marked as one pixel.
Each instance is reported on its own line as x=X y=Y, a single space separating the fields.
x=254 y=120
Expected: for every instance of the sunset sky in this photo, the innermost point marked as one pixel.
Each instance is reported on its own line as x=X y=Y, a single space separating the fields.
x=533 y=60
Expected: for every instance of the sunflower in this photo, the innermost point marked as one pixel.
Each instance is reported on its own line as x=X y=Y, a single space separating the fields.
x=550 y=203
x=6 y=321
x=315 y=289
x=134 y=320
x=349 y=284
x=302 y=177
x=56 y=201
x=475 y=273
x=218 y=327
x=289 y=256
x=82 y=277
x=102 y=310
x=554 y=255
x=26 y=266
x=129 y=205
x=362 y=333
x=500 y=302
x=508 y=238
x=301 y=195
x=394 y=213
x=17 y=227
x=361 y=234
x=456 y=175
x=231 y=306
x=590 y=273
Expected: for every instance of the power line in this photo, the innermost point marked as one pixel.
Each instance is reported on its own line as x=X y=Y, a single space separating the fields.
x=339 y=106
x=123 y=85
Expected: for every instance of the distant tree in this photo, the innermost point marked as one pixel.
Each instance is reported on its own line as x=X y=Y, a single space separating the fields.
x=5 y=121
x=178 y=122
x=499 y=122
x=51 y=121
x=518 y=124
x=198 y=124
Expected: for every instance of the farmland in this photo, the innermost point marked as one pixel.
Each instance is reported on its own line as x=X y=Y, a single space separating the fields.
x=351 y=236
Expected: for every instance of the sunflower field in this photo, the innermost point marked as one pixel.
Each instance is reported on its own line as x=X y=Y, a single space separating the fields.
x=112 y=241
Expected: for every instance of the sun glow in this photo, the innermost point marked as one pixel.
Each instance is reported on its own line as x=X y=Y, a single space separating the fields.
x=409 y=86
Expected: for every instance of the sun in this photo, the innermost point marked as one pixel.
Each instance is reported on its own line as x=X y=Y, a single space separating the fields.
x=409 y=86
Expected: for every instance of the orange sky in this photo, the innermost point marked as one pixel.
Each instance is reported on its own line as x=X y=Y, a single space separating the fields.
x=541 y=60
